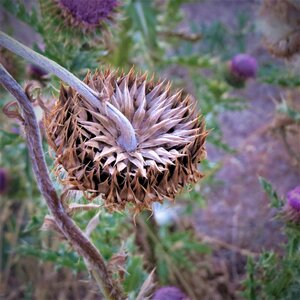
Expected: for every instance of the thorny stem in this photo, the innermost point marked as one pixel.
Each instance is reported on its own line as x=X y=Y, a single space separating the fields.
x=127 y=139
x=95 y=262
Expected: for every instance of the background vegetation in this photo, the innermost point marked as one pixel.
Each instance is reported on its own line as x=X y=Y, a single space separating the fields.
x=220 y=240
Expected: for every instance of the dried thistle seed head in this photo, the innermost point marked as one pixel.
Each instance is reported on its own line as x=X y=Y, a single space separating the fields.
x=280 y=25
x=168 y=129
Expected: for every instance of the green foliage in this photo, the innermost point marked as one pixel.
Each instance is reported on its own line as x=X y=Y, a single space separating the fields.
x=9 y=138
x=279 y=75
x=222 y=40
x=143 y=38
x=276 y=201
x=276 y=276
x=18 y=9
x=288 y=111
x=249 y=283
x=173 y=251
x=62 y=257
x=136 y=274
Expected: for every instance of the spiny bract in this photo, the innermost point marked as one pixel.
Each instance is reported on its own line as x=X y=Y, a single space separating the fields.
x=168 y=129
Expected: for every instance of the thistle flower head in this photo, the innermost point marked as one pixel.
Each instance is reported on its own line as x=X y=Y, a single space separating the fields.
x=88 y=13
x=239 y=69
x=82 y=22
x=169 y=293
x=169 y=132
x=292 y=208
x=36 y=72
x=243 y=66
x=293 y=198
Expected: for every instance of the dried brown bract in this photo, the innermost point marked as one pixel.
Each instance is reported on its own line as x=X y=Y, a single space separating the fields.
x=169 y=131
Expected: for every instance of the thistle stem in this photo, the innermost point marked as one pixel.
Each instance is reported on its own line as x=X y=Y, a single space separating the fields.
x=94 y=260
x=127 y=139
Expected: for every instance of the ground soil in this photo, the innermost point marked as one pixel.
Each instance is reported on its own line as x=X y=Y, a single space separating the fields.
x=238 y=211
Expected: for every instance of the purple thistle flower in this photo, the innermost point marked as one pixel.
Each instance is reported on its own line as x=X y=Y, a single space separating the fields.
x=90 y=12
x=293 y=198
x=169 y=293
x=3 y=180
x=36 y=72
x=243 y=66
x=292 y=208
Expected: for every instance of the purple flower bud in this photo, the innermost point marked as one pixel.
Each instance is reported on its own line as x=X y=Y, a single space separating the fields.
x=16 y=130
x=90 y=12
x=36 y=72
x=292 y=209
x=243 y=66
x=169 y=293
x=293 y=198
x=4 y=178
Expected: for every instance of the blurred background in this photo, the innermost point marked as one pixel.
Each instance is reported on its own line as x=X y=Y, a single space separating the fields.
x=223 y=238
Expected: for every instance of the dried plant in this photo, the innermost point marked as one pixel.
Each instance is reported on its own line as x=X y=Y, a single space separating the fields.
x=169 y=132
x=133 y=139
x=280 y=24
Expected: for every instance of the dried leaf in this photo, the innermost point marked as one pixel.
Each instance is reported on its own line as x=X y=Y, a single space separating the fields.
x=117 y=263
x=76 y=208
x=50 y=225
x=93 y=223
x=147 y=288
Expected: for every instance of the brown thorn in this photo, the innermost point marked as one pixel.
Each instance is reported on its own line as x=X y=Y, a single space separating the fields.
x=12 y=114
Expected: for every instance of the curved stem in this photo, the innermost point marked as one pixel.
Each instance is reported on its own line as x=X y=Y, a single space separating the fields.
x=127 y=139
x=95 y=262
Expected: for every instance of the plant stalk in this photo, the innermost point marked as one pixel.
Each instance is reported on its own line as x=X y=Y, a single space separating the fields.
x=94 y=260
x=127 y=139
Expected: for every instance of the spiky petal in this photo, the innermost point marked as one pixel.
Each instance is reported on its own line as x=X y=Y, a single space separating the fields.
x=168 y=128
